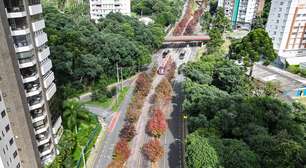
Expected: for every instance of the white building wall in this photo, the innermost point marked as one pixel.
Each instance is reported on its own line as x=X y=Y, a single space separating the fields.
x=8 y=151
x=286 y=26
x=101 y=8
x=250 y=11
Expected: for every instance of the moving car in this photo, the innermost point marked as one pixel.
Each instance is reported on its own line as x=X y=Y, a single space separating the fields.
x=182 y=54
x=166 y=52
x=161 y=70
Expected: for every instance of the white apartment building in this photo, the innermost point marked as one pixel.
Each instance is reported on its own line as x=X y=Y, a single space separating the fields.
x=9 y=157
x=101 y=8
x=287 y=27
x=27 y=82
x=241 y=12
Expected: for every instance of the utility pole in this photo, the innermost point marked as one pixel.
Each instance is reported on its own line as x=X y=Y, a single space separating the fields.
x=121 y=78
x=118 y=81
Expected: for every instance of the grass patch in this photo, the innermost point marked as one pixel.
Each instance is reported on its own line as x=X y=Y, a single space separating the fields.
x=111 y=102
x=121 y=97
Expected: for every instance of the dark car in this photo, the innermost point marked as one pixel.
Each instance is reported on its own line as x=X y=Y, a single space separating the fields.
x=165 y=53
x=182 y=55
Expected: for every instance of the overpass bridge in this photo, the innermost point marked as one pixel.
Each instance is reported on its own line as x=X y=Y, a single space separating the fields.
x=183 y=41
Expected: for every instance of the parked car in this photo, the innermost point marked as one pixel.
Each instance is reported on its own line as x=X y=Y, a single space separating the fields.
x=165 y=53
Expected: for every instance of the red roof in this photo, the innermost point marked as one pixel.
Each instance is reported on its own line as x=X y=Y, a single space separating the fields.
x=187 y=38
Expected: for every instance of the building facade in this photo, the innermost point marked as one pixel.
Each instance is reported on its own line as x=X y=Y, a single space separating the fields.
x=27 y=81
x=287 y=27
x=241 y=12
x=100 y=8
x=9 y=157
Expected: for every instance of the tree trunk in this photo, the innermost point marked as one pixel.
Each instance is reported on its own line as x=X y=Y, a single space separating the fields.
x=251 y=70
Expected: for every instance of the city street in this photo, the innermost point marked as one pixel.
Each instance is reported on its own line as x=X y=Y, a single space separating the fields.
x=112 y=135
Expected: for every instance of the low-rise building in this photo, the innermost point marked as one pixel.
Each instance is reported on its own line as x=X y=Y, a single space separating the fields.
x=101 y=8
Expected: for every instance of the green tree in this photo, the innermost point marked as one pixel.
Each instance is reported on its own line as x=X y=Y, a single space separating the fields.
x=251 y=50
x=200 y=153
x=74 y=114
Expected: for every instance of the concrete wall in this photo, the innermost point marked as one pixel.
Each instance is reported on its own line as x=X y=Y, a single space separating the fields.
x=14 y=98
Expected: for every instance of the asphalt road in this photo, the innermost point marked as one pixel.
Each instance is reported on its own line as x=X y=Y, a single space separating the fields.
x=173 y=138
x=105 y=155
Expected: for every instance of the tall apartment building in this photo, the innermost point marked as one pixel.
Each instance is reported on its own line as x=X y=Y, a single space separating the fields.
x=287 y=27
x=100 y=8
x=241 y=12
x=9 y=157
x=27 y=82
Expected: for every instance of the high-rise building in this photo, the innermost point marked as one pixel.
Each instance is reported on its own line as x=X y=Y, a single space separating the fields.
x=27 y=82
x=9 y=157
x=287 y=27
x=100 y=8
x=241 y=12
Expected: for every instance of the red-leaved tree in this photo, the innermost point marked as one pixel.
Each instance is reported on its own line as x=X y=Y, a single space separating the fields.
x=157 y=125
x=153 y=150
x=122 y=150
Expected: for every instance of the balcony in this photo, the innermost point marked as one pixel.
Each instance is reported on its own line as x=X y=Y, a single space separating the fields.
x=51 y=91
x=38 y=117
x=27 y=62
x=43 y=53
x=46 y=150
x=23 y=47
x=48 y=79
x=35 y=90
x=41 y=129
x=38 y=25
x=47 y=159
x=41 y=39
x=16 y=12
x=43 y=140
x=30 y=78
x=20 y=31
x=35 y=9
x=37 y=103
x=46 y=66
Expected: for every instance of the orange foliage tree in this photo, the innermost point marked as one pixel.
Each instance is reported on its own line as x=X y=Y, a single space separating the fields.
x=153 y=150
x=122 y=150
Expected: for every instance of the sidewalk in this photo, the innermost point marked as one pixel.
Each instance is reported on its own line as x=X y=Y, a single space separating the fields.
x=98 y=146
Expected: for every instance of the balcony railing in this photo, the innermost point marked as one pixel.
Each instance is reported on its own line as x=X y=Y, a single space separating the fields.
x=44 y=139
x=35 y=90
x=30 y=77
x=46 y=150
x=27 y=62
x=36 y=103
x=23 y=46
x=16 y=12
x=43 y=52
x=41 y=129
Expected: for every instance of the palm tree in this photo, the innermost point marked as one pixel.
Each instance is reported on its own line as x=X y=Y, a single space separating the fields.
x=74 y=113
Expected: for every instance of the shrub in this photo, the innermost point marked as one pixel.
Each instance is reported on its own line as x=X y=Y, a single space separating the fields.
x=132 y=115
x=157 y=125
x=128 y=132
x=153 y=150
x=122 y=150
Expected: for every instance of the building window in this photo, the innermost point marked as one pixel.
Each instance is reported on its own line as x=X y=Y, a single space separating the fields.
x=15 y=154
x=7 y=128
x=3 y=114
x=18 y=165
x=11 y=141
